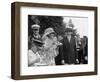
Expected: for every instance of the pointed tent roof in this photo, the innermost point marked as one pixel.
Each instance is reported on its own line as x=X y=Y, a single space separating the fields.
x=70 y=23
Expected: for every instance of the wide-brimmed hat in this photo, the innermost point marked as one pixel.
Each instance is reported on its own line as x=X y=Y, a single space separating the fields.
x=35 y=26
x=49 y=31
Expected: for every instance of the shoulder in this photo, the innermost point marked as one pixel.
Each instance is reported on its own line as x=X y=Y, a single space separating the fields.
x=30 y=52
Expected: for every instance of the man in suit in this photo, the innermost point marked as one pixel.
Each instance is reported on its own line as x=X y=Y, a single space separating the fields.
x=69 y=48
x=59 y=57
x=85 y=50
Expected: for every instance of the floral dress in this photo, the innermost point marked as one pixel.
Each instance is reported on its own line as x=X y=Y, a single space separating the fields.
x=49 y=51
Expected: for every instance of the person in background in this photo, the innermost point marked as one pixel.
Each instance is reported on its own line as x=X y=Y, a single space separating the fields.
x=79 y=50
x=85 y=49
x=34 y=35
x=59 y=57
x=35 y=31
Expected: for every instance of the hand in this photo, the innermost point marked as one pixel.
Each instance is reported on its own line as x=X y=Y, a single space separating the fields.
x=86 y=58
x=77 y=61
x=37 y=60
x=63 y=62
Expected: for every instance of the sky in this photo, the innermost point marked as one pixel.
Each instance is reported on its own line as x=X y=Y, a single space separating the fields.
x=80 y=23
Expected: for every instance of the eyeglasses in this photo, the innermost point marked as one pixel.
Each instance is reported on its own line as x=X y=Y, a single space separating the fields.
x=35 y=29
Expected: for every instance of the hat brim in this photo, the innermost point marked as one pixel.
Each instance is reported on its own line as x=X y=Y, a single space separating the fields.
x=49 y=33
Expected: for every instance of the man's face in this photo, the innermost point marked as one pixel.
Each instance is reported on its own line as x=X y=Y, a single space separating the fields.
x=36 y=30
x=52 y=35
x=68 y=33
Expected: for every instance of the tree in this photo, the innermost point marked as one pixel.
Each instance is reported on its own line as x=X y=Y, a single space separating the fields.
x=56 y=22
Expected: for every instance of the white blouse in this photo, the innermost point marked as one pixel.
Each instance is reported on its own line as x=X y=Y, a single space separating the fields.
x=33 y=58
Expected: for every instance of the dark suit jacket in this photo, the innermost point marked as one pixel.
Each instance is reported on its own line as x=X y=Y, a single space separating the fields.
x=59 y=57
x=69 y=50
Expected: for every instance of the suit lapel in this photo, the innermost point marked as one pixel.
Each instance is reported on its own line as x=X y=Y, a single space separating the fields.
x=66 y=42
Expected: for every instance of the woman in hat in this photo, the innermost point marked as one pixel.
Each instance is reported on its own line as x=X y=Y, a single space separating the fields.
x=50 y=46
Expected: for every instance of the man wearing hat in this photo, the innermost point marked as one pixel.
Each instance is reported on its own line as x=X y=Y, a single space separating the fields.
x=35 y=31
x=69 y=47
x=34 y=34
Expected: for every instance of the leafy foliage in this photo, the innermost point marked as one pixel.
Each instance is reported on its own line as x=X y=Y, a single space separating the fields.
x=56 y=22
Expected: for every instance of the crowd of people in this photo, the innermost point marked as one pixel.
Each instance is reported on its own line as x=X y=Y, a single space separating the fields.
x=52 y=49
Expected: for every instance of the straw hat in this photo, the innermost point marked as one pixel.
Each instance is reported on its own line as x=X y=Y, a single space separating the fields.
x=35 y=26
x=49 y=31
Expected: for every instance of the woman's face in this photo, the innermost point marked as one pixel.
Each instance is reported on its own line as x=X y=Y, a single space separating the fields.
x=52 y=35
